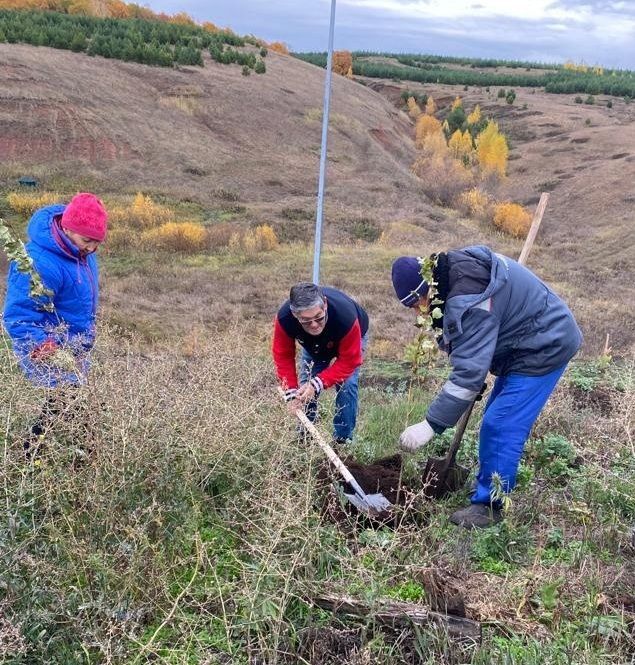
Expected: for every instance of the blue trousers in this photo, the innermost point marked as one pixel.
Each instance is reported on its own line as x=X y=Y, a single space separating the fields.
x=347 y=394
x=511 y=411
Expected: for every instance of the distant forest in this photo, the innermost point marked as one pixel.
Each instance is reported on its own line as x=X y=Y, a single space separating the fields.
x=148 y=41
x=568 y=78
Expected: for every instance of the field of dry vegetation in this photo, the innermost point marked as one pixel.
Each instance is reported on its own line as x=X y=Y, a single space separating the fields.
x=173 y=517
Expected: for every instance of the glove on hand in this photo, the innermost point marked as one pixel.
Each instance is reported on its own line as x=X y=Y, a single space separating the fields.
x=415 y=436
x=317 y=384
x=290 y=394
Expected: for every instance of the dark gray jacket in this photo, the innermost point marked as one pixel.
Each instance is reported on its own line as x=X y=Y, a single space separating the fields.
x=499 y=318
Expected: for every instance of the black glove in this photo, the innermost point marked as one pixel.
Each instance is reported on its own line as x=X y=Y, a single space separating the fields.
x=479 y=397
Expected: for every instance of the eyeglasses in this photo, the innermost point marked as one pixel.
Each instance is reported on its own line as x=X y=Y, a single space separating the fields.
x=308 y=322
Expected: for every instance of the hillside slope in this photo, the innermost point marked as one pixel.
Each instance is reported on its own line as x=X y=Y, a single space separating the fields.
x=210 y=134
x=193 y=130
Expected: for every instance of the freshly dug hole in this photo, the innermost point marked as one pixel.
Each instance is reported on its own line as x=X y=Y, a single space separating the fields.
x=380 y=477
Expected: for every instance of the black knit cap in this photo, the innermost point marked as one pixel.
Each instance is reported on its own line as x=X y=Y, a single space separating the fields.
x=407 y=280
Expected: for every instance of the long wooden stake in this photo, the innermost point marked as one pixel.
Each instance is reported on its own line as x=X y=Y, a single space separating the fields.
x=533 y=229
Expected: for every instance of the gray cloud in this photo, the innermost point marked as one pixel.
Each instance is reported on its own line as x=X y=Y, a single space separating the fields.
x=608 y=38
x=624 y=8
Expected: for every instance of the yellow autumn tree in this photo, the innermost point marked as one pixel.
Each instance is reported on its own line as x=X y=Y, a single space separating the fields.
x=457 y=103
x=342 y=62
x=117 y=9
x=182 y=18
x=349 y=73
x=492 y=151
x=209 y=27
x=431 y=107
x=414 y=111
x=426 y=125
x=574 y=67
x=460 y=144
x=81 y=8
x=434 y=146
x=279 y=47
x=475 y=116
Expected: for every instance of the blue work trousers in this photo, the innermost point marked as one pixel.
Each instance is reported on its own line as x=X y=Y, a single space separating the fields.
x=511 y=411
x=347 y=394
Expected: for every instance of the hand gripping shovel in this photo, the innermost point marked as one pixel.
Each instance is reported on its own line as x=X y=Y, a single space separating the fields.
x=443 y=475
x=370 y=504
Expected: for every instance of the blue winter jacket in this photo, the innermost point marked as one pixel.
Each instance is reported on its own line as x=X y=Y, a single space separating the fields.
x=73 y=279
x=500 y=318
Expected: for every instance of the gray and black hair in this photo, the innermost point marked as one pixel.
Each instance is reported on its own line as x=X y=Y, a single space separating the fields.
x=305 y=295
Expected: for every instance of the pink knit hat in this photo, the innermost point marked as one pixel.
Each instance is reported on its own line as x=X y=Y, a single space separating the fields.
x=86 y=214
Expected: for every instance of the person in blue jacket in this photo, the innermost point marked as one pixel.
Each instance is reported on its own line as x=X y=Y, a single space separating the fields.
x=52 y=335
x=497 y=317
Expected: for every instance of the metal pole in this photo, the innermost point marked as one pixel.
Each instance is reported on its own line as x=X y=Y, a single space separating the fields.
x=323 y=149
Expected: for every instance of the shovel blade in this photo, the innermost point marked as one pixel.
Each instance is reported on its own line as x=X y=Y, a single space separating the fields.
x=374 y=505
x=440 y=481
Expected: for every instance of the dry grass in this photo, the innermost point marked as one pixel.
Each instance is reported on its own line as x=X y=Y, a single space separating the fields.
x=173 y=516
x=177 y=237
x=26 y=203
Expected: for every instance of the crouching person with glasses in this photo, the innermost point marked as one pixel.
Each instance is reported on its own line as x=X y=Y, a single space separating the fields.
x=332 y=330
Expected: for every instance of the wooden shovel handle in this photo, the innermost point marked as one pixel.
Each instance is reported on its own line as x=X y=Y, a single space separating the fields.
x=328 y=451
x=533 y=229
x=458 y=435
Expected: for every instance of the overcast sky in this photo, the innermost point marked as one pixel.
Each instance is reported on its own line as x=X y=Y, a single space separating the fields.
x=594 y=31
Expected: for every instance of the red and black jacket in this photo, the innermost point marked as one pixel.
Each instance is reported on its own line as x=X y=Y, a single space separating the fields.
x=346 y=324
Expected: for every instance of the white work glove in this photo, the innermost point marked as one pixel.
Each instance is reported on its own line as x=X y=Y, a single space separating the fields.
x=415 y=436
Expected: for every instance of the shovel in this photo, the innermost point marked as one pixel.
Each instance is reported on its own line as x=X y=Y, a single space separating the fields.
x=443 y=475
x=372 y=505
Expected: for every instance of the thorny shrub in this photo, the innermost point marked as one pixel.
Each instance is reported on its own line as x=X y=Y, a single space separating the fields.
x=442 y=178
x=261 y=239
x=142 y=213
x=474 y=203
x=172 y=517
x=26 y=204
x=179 y=237
x=512 y=218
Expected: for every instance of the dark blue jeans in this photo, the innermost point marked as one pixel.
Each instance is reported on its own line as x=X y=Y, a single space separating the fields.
x=347 y=394
x=512 y=408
